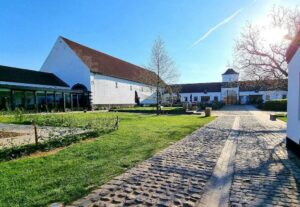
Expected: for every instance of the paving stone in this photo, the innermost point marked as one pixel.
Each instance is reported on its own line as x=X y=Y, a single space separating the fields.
x=178 y=175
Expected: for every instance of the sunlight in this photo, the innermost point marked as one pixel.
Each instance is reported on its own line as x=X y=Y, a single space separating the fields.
x=273 y=35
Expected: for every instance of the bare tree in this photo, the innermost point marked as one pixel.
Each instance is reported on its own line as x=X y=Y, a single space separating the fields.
x=173 y=93
x=164 y=68
x=256 y=56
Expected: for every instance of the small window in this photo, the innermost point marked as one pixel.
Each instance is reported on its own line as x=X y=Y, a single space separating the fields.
x=116 y=84
x=142 y=89
x=284 y=96
x=216 y=98
x=195 y=98
x=185 y=99
x=131 y=88
x=268 y=98
x=205 y=99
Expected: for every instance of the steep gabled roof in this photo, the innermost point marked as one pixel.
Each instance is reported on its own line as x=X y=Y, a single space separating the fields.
x=107 y=65
x=199 y=87
x=230 y=71
x=18 y=75
x=294 y=46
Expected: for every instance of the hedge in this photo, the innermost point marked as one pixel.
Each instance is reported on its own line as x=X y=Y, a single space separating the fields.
x=275 y=105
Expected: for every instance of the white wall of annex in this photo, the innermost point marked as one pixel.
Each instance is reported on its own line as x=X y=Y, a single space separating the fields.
x=293 y=124
x=63 y=62
x=104 y=91
x=273 y=94
x=210 y=94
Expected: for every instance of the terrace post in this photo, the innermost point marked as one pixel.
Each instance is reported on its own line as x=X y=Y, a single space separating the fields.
x=54 y=101
x=12 y=102
x=64 y=102
x=46 y=102
x=71 y=97
x=25 y=102
x=77 y=100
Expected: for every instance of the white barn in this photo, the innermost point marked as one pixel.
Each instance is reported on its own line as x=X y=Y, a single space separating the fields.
x=110 y=81
x=293 y=124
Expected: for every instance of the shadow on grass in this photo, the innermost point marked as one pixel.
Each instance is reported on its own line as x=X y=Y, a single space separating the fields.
x=12 y=153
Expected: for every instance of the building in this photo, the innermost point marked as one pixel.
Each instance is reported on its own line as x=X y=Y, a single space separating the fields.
x=76 y=77
x=293 y=124
x=233 y=91
x=109 y=80
x=34 y=90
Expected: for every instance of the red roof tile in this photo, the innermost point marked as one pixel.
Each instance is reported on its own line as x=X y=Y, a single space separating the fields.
x=107 y=65
x=294 y=46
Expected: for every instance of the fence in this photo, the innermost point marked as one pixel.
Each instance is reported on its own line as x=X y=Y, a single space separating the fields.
x=46 y=133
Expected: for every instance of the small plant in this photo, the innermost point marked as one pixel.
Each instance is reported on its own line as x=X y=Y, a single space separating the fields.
x=19 y=115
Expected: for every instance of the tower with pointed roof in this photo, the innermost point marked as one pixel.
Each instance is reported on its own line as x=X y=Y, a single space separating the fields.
x=230 y=76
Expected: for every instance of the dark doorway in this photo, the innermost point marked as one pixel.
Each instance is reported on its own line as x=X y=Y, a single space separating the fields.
x=255 y=99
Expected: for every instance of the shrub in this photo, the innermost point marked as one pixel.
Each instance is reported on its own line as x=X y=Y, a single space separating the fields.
x=215 y=105
x=275 y=105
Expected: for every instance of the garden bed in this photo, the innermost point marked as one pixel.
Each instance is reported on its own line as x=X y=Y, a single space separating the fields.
x=76 y=170
x=4 y=134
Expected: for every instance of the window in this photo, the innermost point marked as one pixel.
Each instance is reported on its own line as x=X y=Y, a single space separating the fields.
x=284 y=96
x=185 y=99
x=195 y=98
x=268 y=97
x=142 y=89
x=216 y=98
x=205 y=99
x=131 y=88
x=116 y=84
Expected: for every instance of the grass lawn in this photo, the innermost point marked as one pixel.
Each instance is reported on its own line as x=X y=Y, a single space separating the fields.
x=282 y=117
x=75 y=170
x=150 y=109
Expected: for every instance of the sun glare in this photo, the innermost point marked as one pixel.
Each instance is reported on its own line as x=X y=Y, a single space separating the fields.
x=273 y=35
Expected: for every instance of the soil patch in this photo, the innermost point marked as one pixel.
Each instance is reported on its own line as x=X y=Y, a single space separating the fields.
x=9 y=134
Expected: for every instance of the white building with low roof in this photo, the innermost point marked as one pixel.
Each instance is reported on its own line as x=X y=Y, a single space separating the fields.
x=293 y=124
x=233 y=91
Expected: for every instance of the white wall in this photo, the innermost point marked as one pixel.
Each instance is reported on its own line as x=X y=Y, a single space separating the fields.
x=293 y=125
x=210 y=94
x=230 y=77
x=104 y=91
x=273 y=94
x=64 y=63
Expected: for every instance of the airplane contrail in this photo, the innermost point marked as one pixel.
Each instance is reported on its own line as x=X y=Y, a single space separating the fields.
x=228 y=19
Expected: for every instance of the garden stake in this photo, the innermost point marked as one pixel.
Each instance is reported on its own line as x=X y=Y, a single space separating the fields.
x=35 y=133
x=117 y=123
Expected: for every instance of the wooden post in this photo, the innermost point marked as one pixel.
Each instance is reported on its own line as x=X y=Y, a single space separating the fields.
x=36 y=139
x=117 y=123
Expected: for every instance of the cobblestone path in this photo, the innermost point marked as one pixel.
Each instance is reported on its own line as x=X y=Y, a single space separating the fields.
x=262 y=173
x=176 y=176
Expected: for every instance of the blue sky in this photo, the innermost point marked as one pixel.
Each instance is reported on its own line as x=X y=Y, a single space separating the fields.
x=199 y=35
